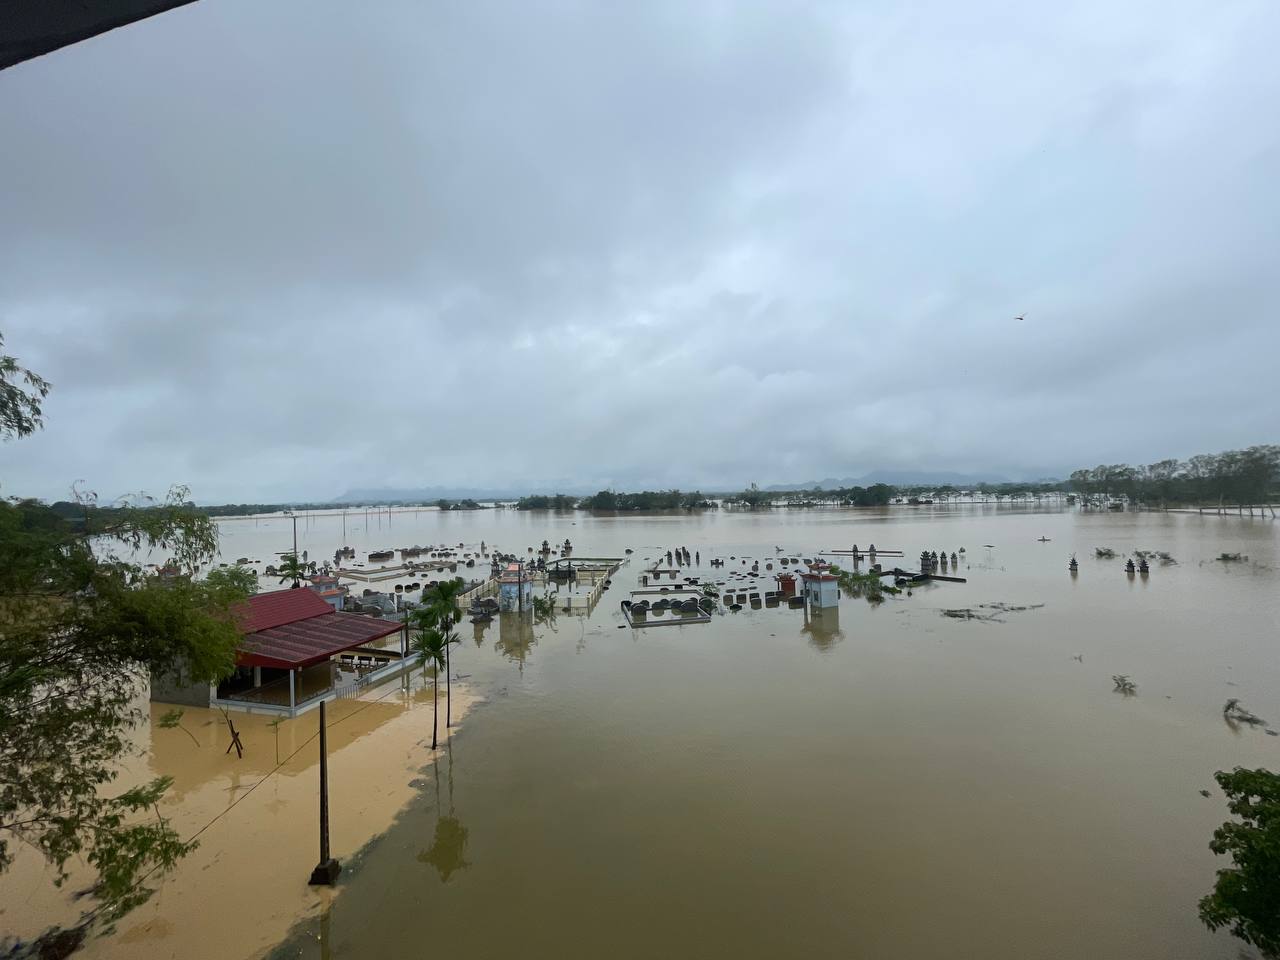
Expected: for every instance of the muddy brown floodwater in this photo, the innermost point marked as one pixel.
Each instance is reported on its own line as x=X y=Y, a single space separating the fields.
x=878 y=781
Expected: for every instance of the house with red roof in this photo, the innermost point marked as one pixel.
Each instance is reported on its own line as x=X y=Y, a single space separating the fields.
x=296 y=651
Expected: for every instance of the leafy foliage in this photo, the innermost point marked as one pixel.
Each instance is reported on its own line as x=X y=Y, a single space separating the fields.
x=467 y=504
x=544 y=608
x=434 y=622
x=291 y=568
x=82 y=625
x=542 y=502
x=752 y=497
x=80 y=631
x=1245 y=476
x=20 y=394
x=236 y=580
x=647 y=500
x=1246 y=896
x=865 y=585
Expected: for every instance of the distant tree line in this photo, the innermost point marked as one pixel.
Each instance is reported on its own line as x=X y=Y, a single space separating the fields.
x=880 y=494
x=612 y=500
x=647 y=500
x=876 y=495
x=467 y=504
x=1249 y=476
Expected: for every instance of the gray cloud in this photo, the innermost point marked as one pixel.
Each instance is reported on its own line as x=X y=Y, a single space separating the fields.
x=281 y=250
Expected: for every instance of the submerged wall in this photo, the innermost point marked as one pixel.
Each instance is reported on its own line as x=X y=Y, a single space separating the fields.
x=167 y=687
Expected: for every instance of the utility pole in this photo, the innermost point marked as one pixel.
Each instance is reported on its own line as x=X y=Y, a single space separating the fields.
x=327 y=870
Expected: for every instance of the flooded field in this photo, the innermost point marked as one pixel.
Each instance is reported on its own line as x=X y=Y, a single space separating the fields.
x=878 y=781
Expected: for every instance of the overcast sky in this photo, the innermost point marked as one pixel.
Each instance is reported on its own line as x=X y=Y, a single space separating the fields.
x=278 y=250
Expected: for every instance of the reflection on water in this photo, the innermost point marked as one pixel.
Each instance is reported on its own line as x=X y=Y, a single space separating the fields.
x=516 y=636
x=447 y=852
x=870 y=780
x=823 y=627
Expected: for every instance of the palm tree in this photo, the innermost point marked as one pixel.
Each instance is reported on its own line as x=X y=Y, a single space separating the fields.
x=431 y=646
x=441 y=606
x=291 y=568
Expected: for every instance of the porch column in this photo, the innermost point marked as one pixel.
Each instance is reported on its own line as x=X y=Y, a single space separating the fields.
x=291 y=699
x=257 y=676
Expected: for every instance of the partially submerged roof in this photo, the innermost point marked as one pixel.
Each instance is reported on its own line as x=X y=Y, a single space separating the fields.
x=296 y=628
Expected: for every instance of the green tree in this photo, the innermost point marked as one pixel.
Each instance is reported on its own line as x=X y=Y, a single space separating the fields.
x=441 y=611
x=432 y=647
x=20 y=394
x=82 y=626
x=80 y=632
x=1246 y=896
x=752 y=497
x=236 y=579
x=291 y=568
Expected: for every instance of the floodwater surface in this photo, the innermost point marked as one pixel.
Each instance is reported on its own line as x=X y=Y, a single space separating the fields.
x=873 y=781
x=882 y=782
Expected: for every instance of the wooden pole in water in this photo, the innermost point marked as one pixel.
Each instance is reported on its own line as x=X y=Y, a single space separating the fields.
x=327 y=870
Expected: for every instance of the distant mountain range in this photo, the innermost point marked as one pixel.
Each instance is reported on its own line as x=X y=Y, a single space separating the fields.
x=898 y=478
x=428 y=494
x=902 y=478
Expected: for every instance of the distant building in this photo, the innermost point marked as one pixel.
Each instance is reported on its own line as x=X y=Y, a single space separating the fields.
x=515 y=588
x=821 y=589
x=330 y=591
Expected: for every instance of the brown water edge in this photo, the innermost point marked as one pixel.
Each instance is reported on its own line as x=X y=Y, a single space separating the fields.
x=245 y=886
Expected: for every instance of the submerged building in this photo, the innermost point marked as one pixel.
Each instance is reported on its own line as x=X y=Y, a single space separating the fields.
x=821 y=589
x=515 y=588
x=297 y=651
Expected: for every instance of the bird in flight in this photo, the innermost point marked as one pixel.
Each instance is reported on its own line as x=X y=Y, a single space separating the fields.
x=1020 y=317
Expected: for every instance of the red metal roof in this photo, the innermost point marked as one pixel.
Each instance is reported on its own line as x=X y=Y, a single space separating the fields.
x=312 y=640
x=266 y=610
x=296 y=628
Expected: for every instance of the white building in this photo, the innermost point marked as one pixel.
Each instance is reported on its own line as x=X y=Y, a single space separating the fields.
x=820 y=586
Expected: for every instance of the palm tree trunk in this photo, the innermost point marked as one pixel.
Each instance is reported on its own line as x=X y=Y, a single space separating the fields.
x=435 y=706
x=448 y=689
